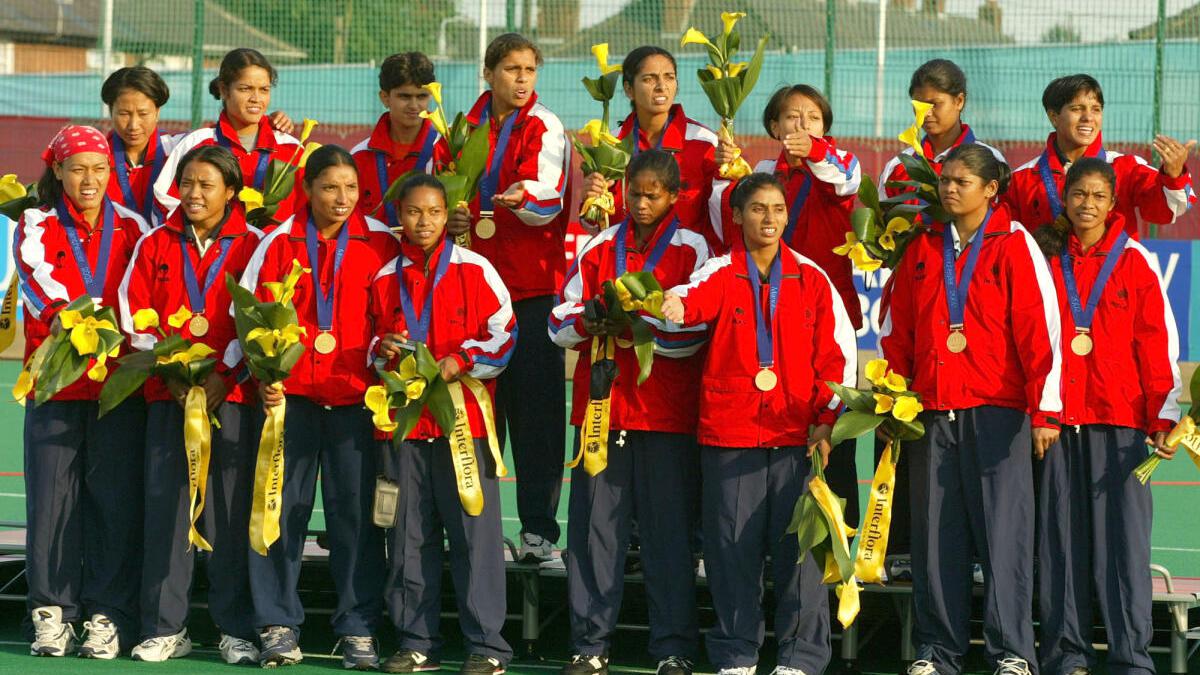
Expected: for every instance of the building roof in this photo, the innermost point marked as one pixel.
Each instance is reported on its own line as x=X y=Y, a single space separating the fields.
x=1185 y=24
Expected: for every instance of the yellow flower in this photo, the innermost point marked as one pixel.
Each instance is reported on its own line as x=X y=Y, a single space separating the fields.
x=69 y=317
x=85 y=334
x=145 y=318
x=307 y=131
x=180 y=317
x=906 y=408
x=438 y=119
x=911 y=136
x=695 y=37
x=98 y=372
x=851 y=242
x=623 y=295
x=877 y=370
x=435 y=90
x=730 y=19
x=283 y=291
x=735 y=68
x=253 y=199
x=377 y=401
x=265 y=338
x=883 y=403
x=23 y=386
x=414 y=388
x=595 y=131
x=1185 y=428
x=407 y=369
x=895 y=381
x=898 y=225
x=309 y=149
x=653 y=303
x=601 y=53
x=10 y=188
x=920 y=110
x=717 y=73
x=194 y=352
x=887 y=241
x=863 y=260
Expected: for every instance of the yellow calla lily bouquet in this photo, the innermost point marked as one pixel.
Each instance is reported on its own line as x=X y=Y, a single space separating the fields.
x=414 y=385
x=15 y=197
x=1185 y=433
x=883 y=228
x=624 y=299
x=607 y=155
x=727 y=83
x=280 y=181
x=89 y=337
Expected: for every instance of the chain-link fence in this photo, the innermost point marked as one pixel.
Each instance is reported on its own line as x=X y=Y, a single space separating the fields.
x=1146 y=53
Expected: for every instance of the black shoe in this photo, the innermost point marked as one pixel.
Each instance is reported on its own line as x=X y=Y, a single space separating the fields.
x=478 y=664
x=279 y=647
x=674 y=665
x=358 y=652
x=586 y=664
x=409 y=661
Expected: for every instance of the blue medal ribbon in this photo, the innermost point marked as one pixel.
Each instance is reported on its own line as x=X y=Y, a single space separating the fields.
x=797 y=207
x=1083 y=315
x=660 y=247
x=381 y=172
x=490 y=180
x=957 y=289
x=764 y=326
x=155 y=166
x=197 y=296
x=418 y=326
x=324 y=298
x=1053 y=193
x=637 y=149
x=93 y=280
x=264 y=157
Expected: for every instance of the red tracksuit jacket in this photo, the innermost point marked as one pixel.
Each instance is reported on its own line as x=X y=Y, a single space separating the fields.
x=1140 y=188
x=826 y=184
x=894 y=170
x=1131 y=378
x=814 y=342
x=669 y=399
x=339 y=378
x=472 y=319
x=141 y=178
x=1013 y=356
x=271 y=145
x=50 y=278
x=398 y=160
x=155 y=280
x=694 y=147
x=528 y=247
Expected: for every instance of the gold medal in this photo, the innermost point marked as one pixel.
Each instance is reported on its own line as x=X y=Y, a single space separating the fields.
x=198 y=326
x=956 y=342
x=485 y=228
x=766 y=379
x=1081 y=344
x=325 y=343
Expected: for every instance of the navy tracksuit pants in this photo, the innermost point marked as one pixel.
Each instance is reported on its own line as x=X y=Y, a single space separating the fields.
x=429 y=512
x=167 y=556
x=651 y=479
x=340 y=442
x=83 y=507
x=971 y=480
x=1094 y=550
x=749 y=495
x=531 y=402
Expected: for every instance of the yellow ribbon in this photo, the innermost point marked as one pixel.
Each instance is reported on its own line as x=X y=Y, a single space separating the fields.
x=462 y=443
x=197 y=443
x=8 y=315
x=1185 y=434
x=848 y=604
x=877 y=524
x=464 y=239
x=736 y=168
x=268 y=482
x=593 y=437
x=598 y=208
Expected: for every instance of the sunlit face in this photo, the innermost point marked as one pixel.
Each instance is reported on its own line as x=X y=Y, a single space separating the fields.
x=647 y=200
x=513 y=79
x=333 y=194
x=946 y=111
x=962 y=192
x=84 y=177
x=799 y=113
x=134 y=117
x=1078 y=122
x=423 y=216
x=405 y=104
x=203 y=194
x=1087 y=203
x=654 y=86
x=248 y=97
x=763 y=217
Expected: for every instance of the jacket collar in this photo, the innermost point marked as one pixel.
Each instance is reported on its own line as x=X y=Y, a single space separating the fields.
x=1056 y=159
x=381 y=137
x=264 y=141
x=1114 y=226
x=674 y=134
x=482 y=109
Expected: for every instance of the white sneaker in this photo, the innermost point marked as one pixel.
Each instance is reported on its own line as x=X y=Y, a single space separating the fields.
x=535 y=548
x=977 y=578
x=784 y=670
x=922 y=667
x=163 y=647
x=739 y=670
x=701 y=573
x=1012 y=666
x=52 y=637
x=237 y=651
x=101 y=642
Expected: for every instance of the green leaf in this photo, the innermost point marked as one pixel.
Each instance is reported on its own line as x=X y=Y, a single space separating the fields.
x=750 y=76
x=868 y=193
x=904 y=431
x=406 y=419
x=855 y=399
x=732 y=42
x=82 y=304
x=288 y=358
x=427 y=365
x=440 y=405
x=853 y=424
x=123 y=381
x=643 y=347
x=863 y=222
x=393 y=189
x=720 y=95
x=901 y=197
x=169 y=345
x=594 y=88
x=14 y=208
x=64 y=367
x=918 y=168
x=473 y=159
x=1194 y=388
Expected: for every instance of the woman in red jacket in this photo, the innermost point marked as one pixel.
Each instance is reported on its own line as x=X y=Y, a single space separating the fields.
x=83 y=475
x=648 y=75
x=243 y=85
x=134 y=97
x=652 y=470
x=973 y=322
x=453 y=301
x=326 y=427
x=778 y=331
x=1121 y=388
x=183 y=265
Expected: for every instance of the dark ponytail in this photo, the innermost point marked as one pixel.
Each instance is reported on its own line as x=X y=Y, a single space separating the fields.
x=982 y=162
x=49 y=189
